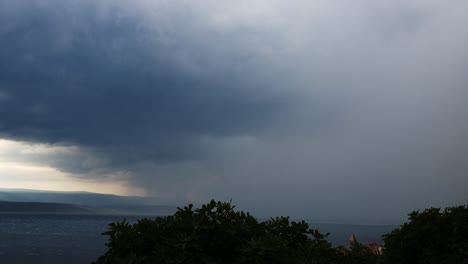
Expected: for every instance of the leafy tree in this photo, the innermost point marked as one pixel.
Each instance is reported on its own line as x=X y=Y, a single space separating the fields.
x=430 y=237
x=215 y=233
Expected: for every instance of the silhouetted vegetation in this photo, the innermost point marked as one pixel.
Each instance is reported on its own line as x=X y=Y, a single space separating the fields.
x=433 y=236
x=217 y=233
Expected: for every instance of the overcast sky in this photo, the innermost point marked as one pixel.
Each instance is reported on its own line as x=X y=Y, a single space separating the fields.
x=323 y=109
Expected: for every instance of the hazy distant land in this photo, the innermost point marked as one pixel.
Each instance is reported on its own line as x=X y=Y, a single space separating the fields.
x=35 y=207
x=32 y=201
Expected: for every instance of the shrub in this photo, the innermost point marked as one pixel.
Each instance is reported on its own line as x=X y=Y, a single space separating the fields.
x=431 y=236
x=215 y=233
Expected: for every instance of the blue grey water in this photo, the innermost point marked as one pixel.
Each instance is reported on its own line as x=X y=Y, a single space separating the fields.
x=54 y=239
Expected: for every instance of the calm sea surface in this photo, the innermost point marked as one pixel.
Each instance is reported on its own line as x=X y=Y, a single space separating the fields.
x=71 y=239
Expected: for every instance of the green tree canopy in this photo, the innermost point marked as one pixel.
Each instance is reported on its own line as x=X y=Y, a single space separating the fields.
x=433 y=236
x=215 y=233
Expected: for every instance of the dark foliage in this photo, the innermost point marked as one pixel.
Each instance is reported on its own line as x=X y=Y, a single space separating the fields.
x=430 y=237
x=216 y=233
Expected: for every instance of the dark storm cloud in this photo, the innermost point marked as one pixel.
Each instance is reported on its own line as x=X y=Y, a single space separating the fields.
x=328 y=109
x=73 y=76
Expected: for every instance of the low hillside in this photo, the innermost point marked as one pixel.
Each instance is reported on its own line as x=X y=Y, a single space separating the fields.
x=35 y=207
x=106 y=203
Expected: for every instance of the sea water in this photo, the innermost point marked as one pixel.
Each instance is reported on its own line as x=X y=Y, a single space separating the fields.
x=70 y=239
x=54 y=239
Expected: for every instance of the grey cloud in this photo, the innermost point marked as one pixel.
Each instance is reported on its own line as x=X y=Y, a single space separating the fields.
x=332 y=106
x=78 y=78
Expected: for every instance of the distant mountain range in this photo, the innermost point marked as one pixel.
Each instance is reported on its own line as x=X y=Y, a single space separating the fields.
x=35 y=207
x=22 y=200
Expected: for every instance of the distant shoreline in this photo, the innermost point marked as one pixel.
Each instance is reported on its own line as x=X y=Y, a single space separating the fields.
x=40 y=208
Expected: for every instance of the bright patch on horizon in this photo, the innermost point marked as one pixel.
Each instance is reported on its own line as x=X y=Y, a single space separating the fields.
x=20 y=167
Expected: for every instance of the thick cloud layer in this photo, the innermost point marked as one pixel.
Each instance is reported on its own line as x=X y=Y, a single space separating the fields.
x=323 y=109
